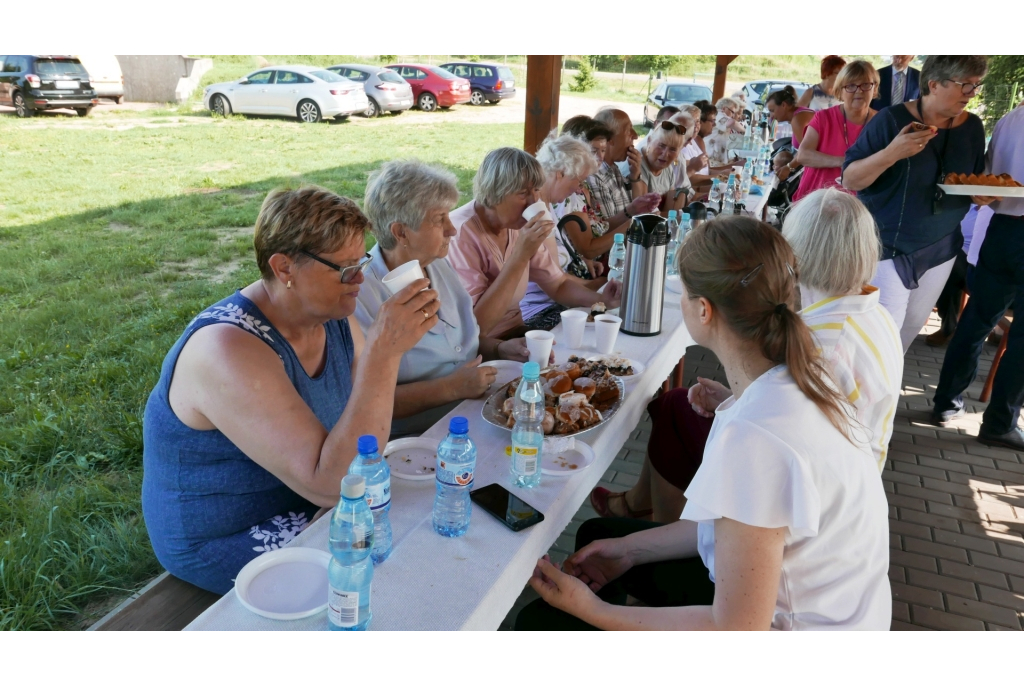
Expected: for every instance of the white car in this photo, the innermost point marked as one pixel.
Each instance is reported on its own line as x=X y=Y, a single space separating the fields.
x=307 y=93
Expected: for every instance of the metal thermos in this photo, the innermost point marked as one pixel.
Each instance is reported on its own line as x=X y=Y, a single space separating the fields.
x=643 y=279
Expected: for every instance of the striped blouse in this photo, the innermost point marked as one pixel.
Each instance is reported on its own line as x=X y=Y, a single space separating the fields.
x=860 y=341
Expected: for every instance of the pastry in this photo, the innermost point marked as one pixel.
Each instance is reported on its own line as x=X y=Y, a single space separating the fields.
x=559 y=382
x=585 y=386
x=548 y=424
x=596 y=309
x=1000 y=181
x=606 y=394
x=572 y=370
x=917 y=126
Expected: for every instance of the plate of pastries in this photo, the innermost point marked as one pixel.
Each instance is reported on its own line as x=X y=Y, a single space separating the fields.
x=991 y=185
x=573 y=402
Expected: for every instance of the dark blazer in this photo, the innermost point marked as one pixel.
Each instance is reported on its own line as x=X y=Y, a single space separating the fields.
x=911 y=87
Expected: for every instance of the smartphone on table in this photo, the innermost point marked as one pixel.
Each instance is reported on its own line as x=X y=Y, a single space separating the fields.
x=506 y=507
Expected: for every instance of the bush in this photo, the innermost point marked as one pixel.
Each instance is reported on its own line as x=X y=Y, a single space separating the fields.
x=584 y=79
x=1003 y=87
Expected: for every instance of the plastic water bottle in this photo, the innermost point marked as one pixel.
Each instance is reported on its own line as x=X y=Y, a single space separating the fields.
x=617 y=258
x=528 y=435
x=715 y=194
x=729 y=202
x=745 y=179
x=456 y=462
x=350 y=571
x=685 y=226
x=673 y=243
x=371 y=466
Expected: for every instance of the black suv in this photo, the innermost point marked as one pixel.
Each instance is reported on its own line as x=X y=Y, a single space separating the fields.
x=36 y=82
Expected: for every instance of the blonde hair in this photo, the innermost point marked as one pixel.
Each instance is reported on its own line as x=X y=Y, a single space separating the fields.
x=311 y=219
x=403 y=191
x=856 y=71
x=504 y=172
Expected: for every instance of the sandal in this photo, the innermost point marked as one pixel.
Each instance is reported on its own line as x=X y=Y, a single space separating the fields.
x=599 y=498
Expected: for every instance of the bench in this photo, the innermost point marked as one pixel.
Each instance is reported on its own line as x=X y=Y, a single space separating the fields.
x=166 y=603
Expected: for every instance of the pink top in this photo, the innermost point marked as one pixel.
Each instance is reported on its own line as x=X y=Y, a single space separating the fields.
x=478 y=260
x=831 y=141
x=796 y=143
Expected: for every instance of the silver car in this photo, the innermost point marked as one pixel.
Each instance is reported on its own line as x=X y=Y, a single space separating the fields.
x=307 y=93
x=385 y=90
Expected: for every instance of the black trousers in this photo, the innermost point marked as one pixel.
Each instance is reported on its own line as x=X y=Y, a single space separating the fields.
x=996 y=282
x=675 y=583
x=949 y=301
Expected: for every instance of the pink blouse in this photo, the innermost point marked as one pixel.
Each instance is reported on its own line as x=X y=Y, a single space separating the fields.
x=833 y=139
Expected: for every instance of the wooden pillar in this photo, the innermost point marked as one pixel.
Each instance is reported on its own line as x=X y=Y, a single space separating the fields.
x=721 y=69
x=543 y=80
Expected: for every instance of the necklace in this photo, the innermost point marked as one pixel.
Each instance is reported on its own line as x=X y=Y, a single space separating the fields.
x=846 y=135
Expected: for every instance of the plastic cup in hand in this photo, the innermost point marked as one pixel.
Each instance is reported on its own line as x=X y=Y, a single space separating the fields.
x=539 y=345
x=403 y=276
x=538 y=207
x=606 y=328
x=574 y=323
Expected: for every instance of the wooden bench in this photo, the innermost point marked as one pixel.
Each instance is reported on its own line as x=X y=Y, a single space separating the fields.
x=166 y=603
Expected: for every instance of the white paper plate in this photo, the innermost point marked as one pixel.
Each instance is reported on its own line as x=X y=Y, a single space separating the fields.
x=412 y=458
x=990 y=191
x=638 y=368
x=507 y=370
x=285 y=584
x=569 y=462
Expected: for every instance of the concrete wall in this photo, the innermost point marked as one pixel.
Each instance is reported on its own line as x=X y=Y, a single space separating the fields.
x=161 y=78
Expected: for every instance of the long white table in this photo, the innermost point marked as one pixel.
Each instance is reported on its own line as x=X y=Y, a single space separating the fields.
x=470 y=583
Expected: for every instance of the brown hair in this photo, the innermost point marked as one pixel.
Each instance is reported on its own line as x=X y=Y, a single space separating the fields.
x=830 y=63
x=748 y=272
x=311 y=218
x=785 y=96
x=857 y=70
x=582 y=126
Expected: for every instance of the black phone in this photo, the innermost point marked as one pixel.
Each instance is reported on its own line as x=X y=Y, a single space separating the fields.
x=506 y=507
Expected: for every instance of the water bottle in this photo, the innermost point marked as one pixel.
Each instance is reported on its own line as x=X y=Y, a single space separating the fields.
x=528 y=435
x=371 y=466
x=729 y=202
x=617 y=259
x=673 y=243
x=685 y=226
x=350 y=571
x=456 y=461
x=715 y=194
x=745 y=179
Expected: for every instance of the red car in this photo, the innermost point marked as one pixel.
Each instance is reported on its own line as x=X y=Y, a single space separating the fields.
x=434 y=87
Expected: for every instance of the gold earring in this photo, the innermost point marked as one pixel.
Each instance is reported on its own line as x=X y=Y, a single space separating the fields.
x=289 y=285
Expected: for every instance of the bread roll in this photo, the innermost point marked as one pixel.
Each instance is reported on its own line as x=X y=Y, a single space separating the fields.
x=585 y=386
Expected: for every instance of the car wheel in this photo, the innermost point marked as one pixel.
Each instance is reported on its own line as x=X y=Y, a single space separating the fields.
x=21 y=107
x=308 y=112
x=219 y=105
x=477 y=98
x=372 y=109
x=427 y=102
x=83 y=111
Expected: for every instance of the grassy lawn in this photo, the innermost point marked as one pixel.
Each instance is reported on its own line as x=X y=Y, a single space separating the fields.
x=115 y=231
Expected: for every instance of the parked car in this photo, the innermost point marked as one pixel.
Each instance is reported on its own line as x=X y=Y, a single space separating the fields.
x=31 y=83
x=758 y=90
x=307 y=93
x=673 y=93
x=105 y=76
x=488 y=82
x=385 y=90
x=433 y=87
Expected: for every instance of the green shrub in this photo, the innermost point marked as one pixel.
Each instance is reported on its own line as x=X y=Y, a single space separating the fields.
x=584 y=79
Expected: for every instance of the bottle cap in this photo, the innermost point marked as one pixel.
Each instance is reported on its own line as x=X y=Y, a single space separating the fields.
x=686 y=217
x=353 y=487
x=458 y=425
x=671 y=214
x=531 y=370
x=367 y=444
x=619 y=238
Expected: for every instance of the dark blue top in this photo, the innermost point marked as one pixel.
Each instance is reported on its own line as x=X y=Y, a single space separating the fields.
x=203 y=499
x=901 y=198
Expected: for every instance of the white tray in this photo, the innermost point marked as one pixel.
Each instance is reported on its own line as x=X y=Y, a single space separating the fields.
x=983 y=191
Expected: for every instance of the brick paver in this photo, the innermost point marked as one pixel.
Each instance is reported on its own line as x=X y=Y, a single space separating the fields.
x=956 y=506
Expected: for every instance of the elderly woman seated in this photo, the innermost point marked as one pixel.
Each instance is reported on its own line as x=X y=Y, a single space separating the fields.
x=728 y=122
x=497 y=252
x=408 y=204
x=255 y=418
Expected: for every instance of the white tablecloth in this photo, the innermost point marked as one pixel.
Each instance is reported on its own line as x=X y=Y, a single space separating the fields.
x=434 y=583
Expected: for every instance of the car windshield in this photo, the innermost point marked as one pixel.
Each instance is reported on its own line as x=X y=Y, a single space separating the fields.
x=58 y=67
x=328 y=76
x=443 y=73
x=388 y=76
x=688 y=93
x=758 y=88
x=505 y=74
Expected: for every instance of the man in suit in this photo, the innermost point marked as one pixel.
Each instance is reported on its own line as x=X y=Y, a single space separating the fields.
x=897 y=83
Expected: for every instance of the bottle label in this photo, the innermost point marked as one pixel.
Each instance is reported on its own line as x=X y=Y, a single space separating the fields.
x=525 y=460
x=343 y=608
x=459 y=475
x=378 y=495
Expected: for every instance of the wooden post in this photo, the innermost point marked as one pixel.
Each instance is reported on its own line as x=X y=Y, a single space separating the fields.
x=721 y=69
x=543 y=80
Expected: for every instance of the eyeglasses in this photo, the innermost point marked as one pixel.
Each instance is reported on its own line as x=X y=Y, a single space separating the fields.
x=863 y=87
x=967 y=88
x=669 y=126
x=348 y=273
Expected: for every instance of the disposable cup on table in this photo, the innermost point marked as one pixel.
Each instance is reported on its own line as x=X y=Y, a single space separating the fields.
x=402 y=276
x=606 y=329
x=539 y=343
x=574 y=324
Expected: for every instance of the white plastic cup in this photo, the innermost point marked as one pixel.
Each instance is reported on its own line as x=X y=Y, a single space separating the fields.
x=538 y=207
x=574 y=323
x=403 y=276
x=539 y=345
x=606 y=328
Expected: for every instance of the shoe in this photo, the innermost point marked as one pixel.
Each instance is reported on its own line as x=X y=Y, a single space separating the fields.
x=1013 y=440
x=599 y=500
x=942 y=418
x=937 y=339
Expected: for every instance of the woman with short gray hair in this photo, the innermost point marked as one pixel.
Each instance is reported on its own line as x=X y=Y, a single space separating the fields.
x=895 y=167
x=496 y=252
x=407 y=203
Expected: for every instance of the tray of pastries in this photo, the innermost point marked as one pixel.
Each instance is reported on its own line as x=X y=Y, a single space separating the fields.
x=574 y=403
x=989 y=185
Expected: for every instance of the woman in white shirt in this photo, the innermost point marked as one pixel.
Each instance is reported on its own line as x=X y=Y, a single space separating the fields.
x=787 y=511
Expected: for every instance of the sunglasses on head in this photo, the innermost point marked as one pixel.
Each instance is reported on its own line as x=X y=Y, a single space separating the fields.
x=669 y=126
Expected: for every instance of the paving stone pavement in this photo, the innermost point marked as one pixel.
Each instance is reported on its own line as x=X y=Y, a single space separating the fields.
x=956 y=507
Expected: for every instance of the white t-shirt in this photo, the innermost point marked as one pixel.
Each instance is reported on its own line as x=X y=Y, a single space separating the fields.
x=773 y=460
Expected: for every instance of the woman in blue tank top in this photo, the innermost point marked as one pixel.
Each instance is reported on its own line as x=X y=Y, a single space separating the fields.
x=254 y=420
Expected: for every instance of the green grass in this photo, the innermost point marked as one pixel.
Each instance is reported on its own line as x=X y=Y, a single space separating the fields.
x=112 y=240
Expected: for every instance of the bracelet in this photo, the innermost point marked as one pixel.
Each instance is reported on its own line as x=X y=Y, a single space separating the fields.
x=625 y=210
